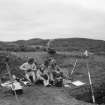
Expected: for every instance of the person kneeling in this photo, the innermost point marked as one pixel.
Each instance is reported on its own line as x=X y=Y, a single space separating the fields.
x=58 y=78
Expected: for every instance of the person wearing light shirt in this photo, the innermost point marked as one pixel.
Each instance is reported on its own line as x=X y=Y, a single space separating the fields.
x=29 y=69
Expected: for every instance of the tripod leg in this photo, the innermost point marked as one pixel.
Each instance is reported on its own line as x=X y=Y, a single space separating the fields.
x=70 y=75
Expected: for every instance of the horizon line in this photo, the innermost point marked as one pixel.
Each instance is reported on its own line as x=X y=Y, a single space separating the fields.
x=6 y=41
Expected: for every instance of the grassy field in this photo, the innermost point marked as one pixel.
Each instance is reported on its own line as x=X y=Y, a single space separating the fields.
x=66 y=61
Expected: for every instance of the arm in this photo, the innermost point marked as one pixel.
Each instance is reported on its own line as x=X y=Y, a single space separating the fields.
x=23 y=67
x=38 y=73
x=57 y=67
x=34 y=68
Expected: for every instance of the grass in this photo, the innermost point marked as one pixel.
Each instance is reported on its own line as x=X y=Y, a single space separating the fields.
x=66 y=62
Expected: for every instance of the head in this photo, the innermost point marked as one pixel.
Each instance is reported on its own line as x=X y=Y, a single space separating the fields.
x=53 y=62
x=58 y=69
x=42 y=67
x=14 y=77
x=31 y=60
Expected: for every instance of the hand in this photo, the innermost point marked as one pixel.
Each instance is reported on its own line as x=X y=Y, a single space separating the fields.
x=29 y=70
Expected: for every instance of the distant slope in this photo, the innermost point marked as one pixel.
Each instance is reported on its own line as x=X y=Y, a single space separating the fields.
x=67 y=44
x=31 y=42
x=79 y=44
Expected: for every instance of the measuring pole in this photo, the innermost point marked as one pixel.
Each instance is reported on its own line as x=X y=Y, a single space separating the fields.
x=90 y=82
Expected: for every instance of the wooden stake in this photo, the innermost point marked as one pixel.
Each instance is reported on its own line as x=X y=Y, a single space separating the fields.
x=90 y=82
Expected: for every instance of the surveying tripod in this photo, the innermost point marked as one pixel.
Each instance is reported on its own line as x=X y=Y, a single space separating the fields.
x=89 y=75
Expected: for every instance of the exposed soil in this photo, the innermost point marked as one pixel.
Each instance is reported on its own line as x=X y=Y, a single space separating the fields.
x=39 y=95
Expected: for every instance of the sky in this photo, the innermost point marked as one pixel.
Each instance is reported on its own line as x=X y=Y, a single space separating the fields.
x=50 y=19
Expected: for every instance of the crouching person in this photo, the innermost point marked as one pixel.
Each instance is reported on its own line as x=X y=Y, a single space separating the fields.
x=58 y=78
x=16 y=86
x=42 y=75
x=30 y=70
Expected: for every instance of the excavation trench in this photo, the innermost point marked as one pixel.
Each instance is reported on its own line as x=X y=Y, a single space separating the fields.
x=83 y=93
x=98 y=82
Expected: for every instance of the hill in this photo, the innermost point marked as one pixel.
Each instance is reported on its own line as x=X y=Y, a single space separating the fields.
x=79 y=44
x=67 y=44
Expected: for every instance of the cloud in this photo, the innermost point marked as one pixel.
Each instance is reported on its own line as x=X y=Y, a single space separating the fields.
x=24 y=19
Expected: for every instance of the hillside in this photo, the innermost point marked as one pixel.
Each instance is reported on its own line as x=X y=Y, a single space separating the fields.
x=67 y=44
x=34 y=95
x=79 y=44
x=53 y=95
x=66 y=62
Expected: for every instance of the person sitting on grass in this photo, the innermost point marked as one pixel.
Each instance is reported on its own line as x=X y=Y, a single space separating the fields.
x=30 y=70
x=42 y=75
